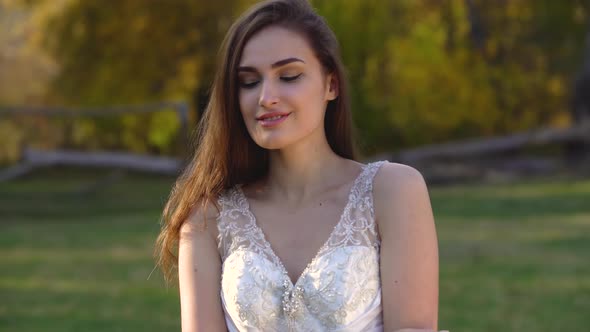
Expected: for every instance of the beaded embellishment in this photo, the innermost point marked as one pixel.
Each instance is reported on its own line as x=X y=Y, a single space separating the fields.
x=292 y=298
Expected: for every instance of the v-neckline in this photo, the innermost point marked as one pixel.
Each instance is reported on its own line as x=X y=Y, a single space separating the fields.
x=278 y=260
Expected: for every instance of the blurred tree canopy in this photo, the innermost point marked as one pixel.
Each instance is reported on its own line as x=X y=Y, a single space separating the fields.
x=426 y=71
x=420 y=71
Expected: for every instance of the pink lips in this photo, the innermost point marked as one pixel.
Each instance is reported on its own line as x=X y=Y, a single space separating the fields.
x=272 y=119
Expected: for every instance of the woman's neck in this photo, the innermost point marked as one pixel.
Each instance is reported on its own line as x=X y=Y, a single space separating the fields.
x=300 y=172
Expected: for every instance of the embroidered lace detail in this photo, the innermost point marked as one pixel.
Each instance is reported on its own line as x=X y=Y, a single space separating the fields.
x=339 y=288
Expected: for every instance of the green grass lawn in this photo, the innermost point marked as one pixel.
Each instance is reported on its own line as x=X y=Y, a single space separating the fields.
x=514 y=257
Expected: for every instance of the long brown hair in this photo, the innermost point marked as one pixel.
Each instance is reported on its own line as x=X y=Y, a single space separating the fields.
x=225 y=153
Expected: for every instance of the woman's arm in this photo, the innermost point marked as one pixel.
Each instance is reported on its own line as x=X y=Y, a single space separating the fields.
x=199 y=275
x=409 y=250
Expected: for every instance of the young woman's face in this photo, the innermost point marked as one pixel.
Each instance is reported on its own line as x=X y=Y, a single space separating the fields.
x=283 y=90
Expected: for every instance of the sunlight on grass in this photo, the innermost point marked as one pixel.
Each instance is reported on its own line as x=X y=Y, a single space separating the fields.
x=513 y=257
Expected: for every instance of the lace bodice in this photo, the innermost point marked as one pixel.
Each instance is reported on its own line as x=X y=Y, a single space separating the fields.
x=339 y=290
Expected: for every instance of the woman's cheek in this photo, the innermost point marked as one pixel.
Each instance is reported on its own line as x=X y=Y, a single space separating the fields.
x=248 y=106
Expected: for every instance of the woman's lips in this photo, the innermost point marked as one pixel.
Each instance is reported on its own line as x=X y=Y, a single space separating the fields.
x=273 y=120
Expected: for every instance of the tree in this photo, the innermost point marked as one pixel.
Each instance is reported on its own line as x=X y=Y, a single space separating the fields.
x=420 y=71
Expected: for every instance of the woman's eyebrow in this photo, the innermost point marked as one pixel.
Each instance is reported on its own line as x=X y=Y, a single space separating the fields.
x=274 y=65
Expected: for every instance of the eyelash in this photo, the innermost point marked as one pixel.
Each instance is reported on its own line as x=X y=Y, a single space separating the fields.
x=287 y=79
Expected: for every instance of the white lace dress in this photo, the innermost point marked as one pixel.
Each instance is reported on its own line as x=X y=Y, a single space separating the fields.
x=339 y=290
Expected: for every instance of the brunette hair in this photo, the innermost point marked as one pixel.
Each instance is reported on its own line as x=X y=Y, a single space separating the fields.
x=225 y=153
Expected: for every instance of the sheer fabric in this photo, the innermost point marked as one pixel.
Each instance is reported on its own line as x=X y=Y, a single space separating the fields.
x=339 y=290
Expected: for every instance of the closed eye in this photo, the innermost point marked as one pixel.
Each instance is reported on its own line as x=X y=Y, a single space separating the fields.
x=248 y=85
x=290 y=78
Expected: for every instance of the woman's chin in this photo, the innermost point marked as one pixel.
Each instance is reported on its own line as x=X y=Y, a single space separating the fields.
x=272 y=143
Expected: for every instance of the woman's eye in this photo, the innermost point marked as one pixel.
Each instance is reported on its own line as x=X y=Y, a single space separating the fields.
x=252 y=84
x=290 y=78
x=248 y=85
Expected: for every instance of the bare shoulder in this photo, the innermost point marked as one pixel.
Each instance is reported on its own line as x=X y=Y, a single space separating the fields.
x=399 y=192
x=201 y=218
x=391 y=175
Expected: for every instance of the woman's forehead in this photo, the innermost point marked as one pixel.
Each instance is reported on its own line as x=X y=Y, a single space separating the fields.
x=274 y=44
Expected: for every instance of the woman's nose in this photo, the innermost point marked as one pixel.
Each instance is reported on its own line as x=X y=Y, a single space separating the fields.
x=268 y=94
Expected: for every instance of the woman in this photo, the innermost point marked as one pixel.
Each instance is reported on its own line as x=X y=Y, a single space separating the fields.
x=277 y=226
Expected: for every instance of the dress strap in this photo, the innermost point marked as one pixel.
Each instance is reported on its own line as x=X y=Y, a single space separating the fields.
x=229 y=211
x=236 y=225
x=357 y=225
x=373 y=168
x=365 y=185
x=362 y=214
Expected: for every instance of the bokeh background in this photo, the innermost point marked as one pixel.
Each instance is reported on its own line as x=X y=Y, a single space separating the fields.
x=490 y=100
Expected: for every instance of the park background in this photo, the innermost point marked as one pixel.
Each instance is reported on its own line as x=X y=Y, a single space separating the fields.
x=76 y=240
